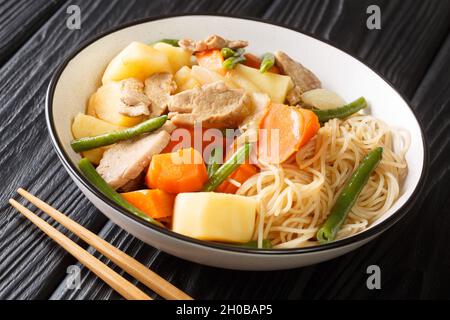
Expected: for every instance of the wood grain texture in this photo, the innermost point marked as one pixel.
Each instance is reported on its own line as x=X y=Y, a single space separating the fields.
x=432 y=222
x=31 y=266
x=410 y=35
x=19 y=20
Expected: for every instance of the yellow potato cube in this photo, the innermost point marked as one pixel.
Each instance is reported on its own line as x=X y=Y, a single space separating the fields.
x=105 y=104
x=243 y=82
x=184 y=80
x=275 y=85
x=90 y=110
x=182 y=76
x=322 y=99
x=88 y=126
x=215 y=216
x=190 y=84
x=137 y=60
x=205 y=76
x=178 y=57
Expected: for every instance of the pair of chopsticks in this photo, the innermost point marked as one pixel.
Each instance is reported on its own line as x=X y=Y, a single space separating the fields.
x=134 y=268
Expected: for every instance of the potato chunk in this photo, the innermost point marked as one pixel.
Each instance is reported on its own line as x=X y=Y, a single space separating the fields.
x=322 y=99
x=105 y=103
x=215 y=216
x=178 y=57
x=275 y=85
x=88 y=126
x=185 y=80
x=242 y=82
x=137 y=60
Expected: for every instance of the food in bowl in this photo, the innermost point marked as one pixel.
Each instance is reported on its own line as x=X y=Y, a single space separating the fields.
x=221 y=145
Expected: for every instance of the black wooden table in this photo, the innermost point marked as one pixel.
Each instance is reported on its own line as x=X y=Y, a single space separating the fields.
x=412 y=49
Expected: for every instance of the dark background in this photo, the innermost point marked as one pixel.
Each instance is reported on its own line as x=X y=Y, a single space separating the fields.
x=412 y=50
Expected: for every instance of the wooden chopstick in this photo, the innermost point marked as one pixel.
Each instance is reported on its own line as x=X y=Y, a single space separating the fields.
x=112 y=278
x=140 y=272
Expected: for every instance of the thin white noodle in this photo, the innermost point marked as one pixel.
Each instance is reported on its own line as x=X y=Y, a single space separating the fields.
x=296 y=197
x=234 y=182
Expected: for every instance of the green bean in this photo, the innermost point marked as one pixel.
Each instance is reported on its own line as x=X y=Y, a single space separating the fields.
x=213 y=166
x=266 y=244
x=172 y=42
x=227 y=53
x=231 y=62
x=267 y=62
x=348 y=196
x=341 y=112
x=227 y=168
x=239 y=51
x=92 y=175
x=106 y=139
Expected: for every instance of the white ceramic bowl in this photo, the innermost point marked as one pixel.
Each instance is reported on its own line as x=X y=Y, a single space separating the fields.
x=80 y=75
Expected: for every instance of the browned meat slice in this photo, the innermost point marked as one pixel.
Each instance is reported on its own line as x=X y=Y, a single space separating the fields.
x=304 y=80
x=133 y=101
x=125 y=160
x=135 y=184
x=213 y=105
x=158 y=89
x=212 y=42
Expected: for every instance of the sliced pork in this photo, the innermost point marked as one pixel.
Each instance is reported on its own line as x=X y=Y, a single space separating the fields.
x=304 y=80
x=212 y=42
x=126 y=160
x=213 y=105
x=133 y=100
x=135 y=184
x=158 y=89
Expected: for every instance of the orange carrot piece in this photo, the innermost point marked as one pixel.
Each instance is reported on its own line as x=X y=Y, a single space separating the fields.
x=155 y=203
x=295 y=128
x=281 y=129
x=176 y=172
x=242 y=174
x=253 y=61
x=312 y=125
x=211 y=59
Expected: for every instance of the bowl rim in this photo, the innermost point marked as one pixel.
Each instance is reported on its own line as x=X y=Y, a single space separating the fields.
x=70 y=166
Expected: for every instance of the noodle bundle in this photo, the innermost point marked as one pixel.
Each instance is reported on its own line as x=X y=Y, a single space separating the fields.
x=296 y=197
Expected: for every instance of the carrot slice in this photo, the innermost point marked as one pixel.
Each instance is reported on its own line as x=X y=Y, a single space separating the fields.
x=312 y=125
x=253 y=61
x=155 y=203
x=242 y=174
x=211 y=59
x=176 y=172
x=284 y=130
